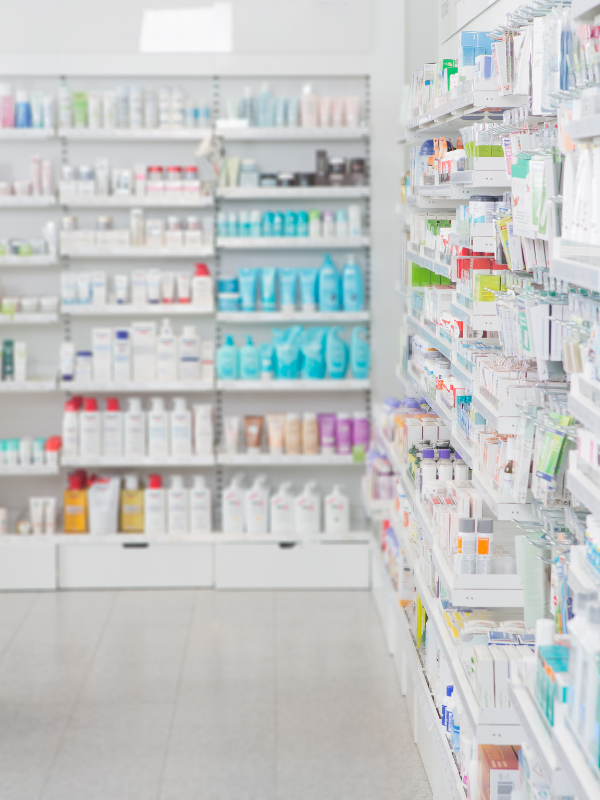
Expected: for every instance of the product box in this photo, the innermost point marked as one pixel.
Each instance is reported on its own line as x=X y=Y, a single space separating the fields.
x=413 y=432
x=500 y=656
x=143 y=337
x=484 y=675
x=102 y=354
x=498 y=772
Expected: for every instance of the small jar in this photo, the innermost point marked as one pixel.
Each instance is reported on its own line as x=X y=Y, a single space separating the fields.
x=337 y=171
x=268 y=179
x=68 y=223
x=104 y=223
x=285 y=179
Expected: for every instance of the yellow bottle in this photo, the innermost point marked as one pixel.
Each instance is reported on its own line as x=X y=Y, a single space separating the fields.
x=132 y=506
x=76 y=503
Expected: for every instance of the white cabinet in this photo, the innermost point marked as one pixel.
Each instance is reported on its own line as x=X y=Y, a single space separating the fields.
x=27 y=563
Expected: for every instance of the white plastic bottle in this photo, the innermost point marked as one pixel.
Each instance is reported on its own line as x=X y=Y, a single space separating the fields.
x=337 y=512
x=135 y=429
x=308 y=107
x=200 y=506
x=181 y=429
x=233 y=506
x=307 y=509
x=189 y=354
x=282 y=510
x=89 y=424
x=203 y=429
x=461 y=470
x=122 y=356
x=112 y=429
x=158 y=429
x=256 y=506
x=154 y=506
x=177 y=507
x=202 y=288
x=589 y=683
x=70 y=428
x=166 y=352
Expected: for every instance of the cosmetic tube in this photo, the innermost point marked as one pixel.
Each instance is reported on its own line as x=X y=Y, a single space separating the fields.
x=275 y=432
x=268 y=277
x=232 y=434
x=253 y=427
x=247 y=281
x=291 y=434
x=36 y=514
x=288 y=283
x=327 y=424
x=308 y=289
x=50 y=515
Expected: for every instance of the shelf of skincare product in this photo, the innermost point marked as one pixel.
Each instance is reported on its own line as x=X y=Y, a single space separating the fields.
x=297 y=385
x=37 y=251
x=27 y=456
x=309 y=226
x=146 y=237
x=24 y=111
x=40 y=519
x=295 y=438
x=36 y=192
x=26 y=386
x=315 y=292
x=142 y=185
x=340 y=176
x=119 y=435
x=28 y=310
x=141 y=292
x=141 y=353
x=297 y=355
x=130 y=110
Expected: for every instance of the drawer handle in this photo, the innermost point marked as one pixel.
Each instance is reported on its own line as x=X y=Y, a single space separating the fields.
x=287 y=545
x=135 y=545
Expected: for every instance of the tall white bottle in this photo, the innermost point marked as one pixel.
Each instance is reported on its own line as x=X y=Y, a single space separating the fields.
x=233 y=506
x=282 y=510
x=200 y=506
x=308 y=107
x=337 y=512
x=203 y=429
x=307 y=510
x=158 y=429
x=256 y=506
x=189 y=354
x=181 y=429
x=166 y=352
x=177 y=507
x=154 y=506
x=70 y=427
x=112 y=429
x=135 y=429
x=89 y=429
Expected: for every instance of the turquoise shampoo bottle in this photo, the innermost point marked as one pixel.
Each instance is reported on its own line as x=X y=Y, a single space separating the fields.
x=329 y=286
x=336 y=354
x=360 y=353
x=228 y=361
x=353 y=294
x=249 y=361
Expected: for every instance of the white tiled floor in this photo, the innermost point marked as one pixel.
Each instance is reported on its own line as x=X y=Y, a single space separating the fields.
x=184 y=695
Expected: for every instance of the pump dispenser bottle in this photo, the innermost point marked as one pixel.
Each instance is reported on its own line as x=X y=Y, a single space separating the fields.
x=181 y=429
x=158 y=429
x=135 y=429
x=307 y=509
x=112 y=429
x=154 y=506
x=132 y=506
x=337 y=512
x=282 y=510
x=177 y=507
x=256 y=506
x=233 y=506
x=200 y=507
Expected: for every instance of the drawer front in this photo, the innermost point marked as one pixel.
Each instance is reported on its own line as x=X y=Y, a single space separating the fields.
x=28 y=566
x=303 y=566
x=123 y=565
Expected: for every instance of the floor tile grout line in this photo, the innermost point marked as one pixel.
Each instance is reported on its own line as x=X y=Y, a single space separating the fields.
x=163 y=766
x=20 y=625
x=69 y=720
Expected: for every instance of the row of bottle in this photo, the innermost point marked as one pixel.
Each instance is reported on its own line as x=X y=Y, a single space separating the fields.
x=341 y=224
x=104 y=505
x=443 y=468
x=309 y=111
x=323 y=289
x=253 y=511
x=313 y=353
x=136 y=433
x=140 y=354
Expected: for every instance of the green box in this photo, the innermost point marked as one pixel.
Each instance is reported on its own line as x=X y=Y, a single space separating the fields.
x=483 y=282
x=497 y=151
x=415 y=275
x=483 y=150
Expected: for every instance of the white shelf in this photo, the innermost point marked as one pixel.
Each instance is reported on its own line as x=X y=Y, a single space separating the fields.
x=472 y=102
x=300 y=385
x=445 y=270
x=503 y=511
x=583 y=782
x=443 y=413
x=459 y=371
x=270 y=459
x=463 y=448
x=146 y=461
x=28 y=319
x=214 y=537
x=29 y=470
x=159 y=387
x=479 y=322
x=578 y=273
x=538 y=733
x=27 y=201
x=493 y=181
x=584 y=489
x=504 y=418
x=583 y=402
x=580 y=574
x=32 y=385
x=129 y=310
x=26 y=134
x=248 y=317
x=291 y=242
x=134 y=134
x=131 y=201
x=429 y=336
x=137 y=252
x=586 y=127
x=585 y=8
x=293 y=192
x=247 y=134
x=28 y=261
x=478 y=591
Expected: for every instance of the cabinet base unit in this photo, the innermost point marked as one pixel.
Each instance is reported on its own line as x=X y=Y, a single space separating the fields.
x=27 y=564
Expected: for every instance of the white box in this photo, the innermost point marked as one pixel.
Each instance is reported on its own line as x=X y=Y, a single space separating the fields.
x=102 y=354
x=484 y=675
x=143 y=340
x=500 y=657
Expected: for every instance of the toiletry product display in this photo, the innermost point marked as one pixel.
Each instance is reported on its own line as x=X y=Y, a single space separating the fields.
x=12 y=307
x=294 y=434
x=329 y=171
x=264 y=109
x=101 y=505
x=39 y=519
x=131 y=107
x=121 y=429
x=28 y=247
x=30 y=452
x=297 y=353
x=171 y=183
x=141 y=288
x=175 y=233
x=21 y=108
x=39 y=184
x=341 y=223
x=142 y=353
x=327 y=289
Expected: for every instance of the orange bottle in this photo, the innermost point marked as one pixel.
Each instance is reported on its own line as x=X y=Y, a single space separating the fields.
x=75 y=509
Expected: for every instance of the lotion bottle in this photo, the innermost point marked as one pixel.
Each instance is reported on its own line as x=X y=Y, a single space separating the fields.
x=112 y=429
x=181 y=429
x=189 y=354
x=89 y=421
x=70 y=427
x=308 y=107
x=256 y=506
x=200 y=506
x=132 y=506
x=166 y=351
x=154 y=506
x=307 y=509
x=158 y=429
x=282 y=510
x=177 y=507
x=135 y=429
x=337 y=512
x=233 y=506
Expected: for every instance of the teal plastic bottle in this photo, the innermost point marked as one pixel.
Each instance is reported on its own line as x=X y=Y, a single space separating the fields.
x=360 y=353
x=336 y=354
x=329 y=286
x=353 y=293
x=249 y=361
x=228 y=361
